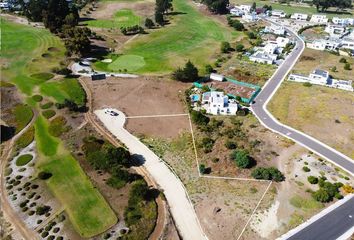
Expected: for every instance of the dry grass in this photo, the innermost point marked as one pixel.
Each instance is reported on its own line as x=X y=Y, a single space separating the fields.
x=319 y=111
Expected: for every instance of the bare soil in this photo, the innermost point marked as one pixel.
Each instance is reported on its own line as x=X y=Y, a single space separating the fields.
x=144 y=96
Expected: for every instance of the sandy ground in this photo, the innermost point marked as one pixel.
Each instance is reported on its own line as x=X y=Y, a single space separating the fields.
x=144 y=96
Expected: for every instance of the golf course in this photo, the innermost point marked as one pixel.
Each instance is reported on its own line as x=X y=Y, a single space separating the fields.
x=28 y=67
x=189 y=36
x=122 y=18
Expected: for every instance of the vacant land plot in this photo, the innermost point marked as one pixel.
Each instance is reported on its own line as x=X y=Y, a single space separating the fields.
x=142 y=97
x=88 y=211
x=190 y=35
x=122 y=18
x=318 y=111
x=312 y=59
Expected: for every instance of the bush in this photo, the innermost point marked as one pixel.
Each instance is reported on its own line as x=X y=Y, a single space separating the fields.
x=149 y=23
x=44 y=175
x=207 y=144
x=209 y=69
x=240 y=48
x=347 y=66
x=306 y=169
x=187 y=74
x=48 y=114
x=321 y=196
x=242 y=158
x=312 y=179
x=58 y=126
x=41 y=210
x=225 y=47
x=131 y=30
x=343 y=60
x=37 y=98
x=202 y=168
x=270 y=173
x=199 y=118
x=230 y=144
x=25 y=139
x=24 y=159
x=307 y=84
x=46 y=105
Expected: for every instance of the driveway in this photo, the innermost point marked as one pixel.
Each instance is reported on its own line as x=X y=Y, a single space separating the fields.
x=177 y=197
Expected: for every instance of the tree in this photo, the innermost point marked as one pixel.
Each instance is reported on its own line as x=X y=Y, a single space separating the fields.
x=312 y=179
x=77 y=40
x=321 y=196
x=34 y=10
x=347 y=66
x=323 y=5
x=343 y=60
x=202 y=168
x=162 y=6
x=199 y=118
x=251 y=35
x=188 y=74
x=159 y=18
x=238 y=25
x=149 y=23
x=253 y=7
x=217 y=6
x=209 y=69
x=225 y=47
x=242 y=158
x=270 y=173
x=240 y=47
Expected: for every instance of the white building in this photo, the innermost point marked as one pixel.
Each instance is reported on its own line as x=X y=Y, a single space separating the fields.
x=347 y=43
x=263 y=57
x=236 y=12
x=299 y=16
x=245 y=8
x=216 y=77
x=4 y=5
x=281 y=41
x=343 y=21
x=321 y=77
x=270 y=47
x=322 y=44
x=335 y=29
x=250 y=17
x=319 y=19
x=276 y=29
x=217 y=103
x=278 y=13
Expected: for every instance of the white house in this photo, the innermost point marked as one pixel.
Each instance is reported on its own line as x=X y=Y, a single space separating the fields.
x=245 y=8
x=299 y=16
x=216 y=77
x=250 y=17
x=322 y=44
x=278 y=13
x=263 y=57
x=270 y=47
x=4 y=5
x=348 y=43
x=236 y=12
x=276 y=29
x=319 y=18
x=281 y=41
x=321 y=77
x=335 y=29
x=343 y=21
x=217 y=103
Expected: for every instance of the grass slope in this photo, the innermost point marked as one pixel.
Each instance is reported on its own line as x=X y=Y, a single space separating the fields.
x=88 y=211
x=191 y=35
x=122 y=18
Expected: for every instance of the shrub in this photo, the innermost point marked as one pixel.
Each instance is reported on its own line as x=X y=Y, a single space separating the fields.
x=307 y=84
x=347 y=66
x=44 y=175
x=306 y=169
x=230 y=144
x=242 y=158
x=48 y=113
x=24 y=159
x=41 y=210
x=202 y=168
x=25 y=139
x=187 y=74
x=225 y=47
x=240 y=48
x=207 y=144
x=57 y=126
x=149 y=23
x=343 y=60
x=270 y=173
x=115 y=182
x=37 y=98
x=199 y=118
x=321 y=196
x=47 y=105
x=42 y=76
x=209 y=69
x=312 y=179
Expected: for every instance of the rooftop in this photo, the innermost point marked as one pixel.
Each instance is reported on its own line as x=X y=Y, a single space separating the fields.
x=320 y=72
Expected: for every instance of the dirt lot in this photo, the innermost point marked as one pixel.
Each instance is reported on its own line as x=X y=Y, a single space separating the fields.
x=144 y=96
x=324 y=113
x=232 y=88
x=313 y=59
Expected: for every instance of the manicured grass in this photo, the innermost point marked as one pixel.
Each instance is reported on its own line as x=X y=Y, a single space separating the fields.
x=37 y=98
x=87 y=209
x=22 y=116
x=191 y=35
x=22 y=47
x=129 y=62
x=122 y=18
x=24 y=159
x=67 y=88
x=25 y=139
x=48 y=113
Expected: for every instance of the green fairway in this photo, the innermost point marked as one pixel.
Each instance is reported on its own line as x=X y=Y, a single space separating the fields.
x=67 y=88
x=122 y=18
x=88 y=211
x=129 y=62
x=191 y=35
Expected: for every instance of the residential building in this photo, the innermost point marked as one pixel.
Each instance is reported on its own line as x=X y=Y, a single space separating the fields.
x=250 y=17
x=299 y=16
x=245 y=8
x=323 y=78
x=282 y=42
x=335 y=29
x=319 y=18
x=343 y=21
x=348 y=43
x=216 y=77
x=270 y=47
x=322 y=44
x=278 y=13
x=276 y=29
x=263 y=57
x=236 y=12
x=217 y=103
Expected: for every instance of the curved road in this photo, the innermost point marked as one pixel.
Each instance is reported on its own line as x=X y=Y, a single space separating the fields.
x=336 y=222
x=180 y=205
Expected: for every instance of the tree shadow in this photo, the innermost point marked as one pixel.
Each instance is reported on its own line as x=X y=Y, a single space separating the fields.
x=6 y=133
x=137 y=160
x=175 y=13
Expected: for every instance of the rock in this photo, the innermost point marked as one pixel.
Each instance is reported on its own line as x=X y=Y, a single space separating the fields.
x=216 y=210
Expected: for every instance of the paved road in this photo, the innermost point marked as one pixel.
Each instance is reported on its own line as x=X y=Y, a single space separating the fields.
x=332 y=224
x=180 y=205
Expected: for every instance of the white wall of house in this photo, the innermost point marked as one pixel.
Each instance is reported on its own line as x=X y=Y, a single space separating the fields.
x=299 y=16
x=319 y=18
x=219 y=104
